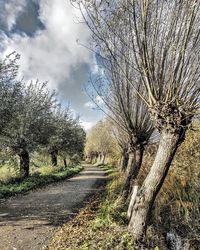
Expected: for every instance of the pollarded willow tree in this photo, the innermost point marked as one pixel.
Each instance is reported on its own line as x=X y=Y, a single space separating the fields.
x=123 y=104
x=122 y=141
x=127 y=111
x=163 y=37
x=166 y=40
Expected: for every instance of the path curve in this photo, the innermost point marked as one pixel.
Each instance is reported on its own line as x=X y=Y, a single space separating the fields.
x=27 y=222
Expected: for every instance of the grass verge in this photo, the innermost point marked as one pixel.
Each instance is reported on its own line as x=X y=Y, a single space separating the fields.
x=35 y=181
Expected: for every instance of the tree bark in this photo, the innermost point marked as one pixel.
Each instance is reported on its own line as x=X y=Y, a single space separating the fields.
x=103 y=159
x=24 y=163
x=124 y=161
x=134 y=165
x=65 y=162
x=145 y=197
x=98 y=158
x=54 y=161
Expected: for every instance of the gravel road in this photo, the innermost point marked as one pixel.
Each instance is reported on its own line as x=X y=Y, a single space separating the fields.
x=27 y=222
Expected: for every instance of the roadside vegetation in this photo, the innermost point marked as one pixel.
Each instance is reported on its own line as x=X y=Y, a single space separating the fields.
x=174 y=222
x=147 y=78
x=40 y=141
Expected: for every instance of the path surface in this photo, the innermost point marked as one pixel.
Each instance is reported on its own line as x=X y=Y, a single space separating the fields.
x=27 y=222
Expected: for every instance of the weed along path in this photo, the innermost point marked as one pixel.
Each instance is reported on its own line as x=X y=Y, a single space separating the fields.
x=27 y=222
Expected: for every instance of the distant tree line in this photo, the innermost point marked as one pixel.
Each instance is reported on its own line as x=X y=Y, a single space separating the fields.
x=149 y=73
x=101 y=145
x=31 y=118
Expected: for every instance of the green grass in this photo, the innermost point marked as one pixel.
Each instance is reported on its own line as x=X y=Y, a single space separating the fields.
x=7 y=173
x=15 y=186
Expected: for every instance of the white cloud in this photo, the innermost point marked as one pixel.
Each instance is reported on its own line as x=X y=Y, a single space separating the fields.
x=51 y=53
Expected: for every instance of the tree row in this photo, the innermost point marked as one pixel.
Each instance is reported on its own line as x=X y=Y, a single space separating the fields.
x=31 y=118
x=149 y=73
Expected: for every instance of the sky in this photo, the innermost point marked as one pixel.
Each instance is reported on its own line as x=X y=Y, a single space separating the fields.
x=52 y=41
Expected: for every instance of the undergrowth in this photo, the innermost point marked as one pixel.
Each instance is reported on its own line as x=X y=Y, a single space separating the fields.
x=177 y=209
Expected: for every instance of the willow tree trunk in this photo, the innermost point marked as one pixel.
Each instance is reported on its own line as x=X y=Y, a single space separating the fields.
x=54 y=161
x=103 y=159
x=124 y=161
x=145 y=197
x=24 y=164
x=99 y=158
x=134 y=165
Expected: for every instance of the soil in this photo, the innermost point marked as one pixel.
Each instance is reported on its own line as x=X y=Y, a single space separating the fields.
x=27 y=222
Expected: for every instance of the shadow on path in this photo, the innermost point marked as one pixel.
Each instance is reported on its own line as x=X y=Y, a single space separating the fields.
x=28 y=221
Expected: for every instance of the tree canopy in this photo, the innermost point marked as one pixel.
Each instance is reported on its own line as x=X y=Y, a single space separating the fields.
x=32 y=118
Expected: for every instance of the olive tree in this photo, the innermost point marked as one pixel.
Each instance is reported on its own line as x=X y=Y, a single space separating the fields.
x=67 y=138
x=61 y=126
x=32 y=124
x=77 y=141
x=10 y=89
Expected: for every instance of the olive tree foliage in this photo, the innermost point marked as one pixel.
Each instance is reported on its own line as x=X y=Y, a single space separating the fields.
x=77 y=141
x=163 y=39
x=32 y=124
x=59 y=139
x=31 y=118
x=10 y=89
x=100 y=143
x=68 y=137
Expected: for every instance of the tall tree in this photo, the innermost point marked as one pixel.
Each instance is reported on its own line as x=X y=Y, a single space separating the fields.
x=163 y=38
x=117 y=84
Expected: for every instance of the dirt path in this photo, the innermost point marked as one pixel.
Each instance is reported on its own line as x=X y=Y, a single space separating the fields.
x=28 y=222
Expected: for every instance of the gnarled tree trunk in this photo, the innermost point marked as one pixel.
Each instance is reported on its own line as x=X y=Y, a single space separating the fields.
x=145 y=197
x=54 y=161
x=134 y=165
x=24 y=163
